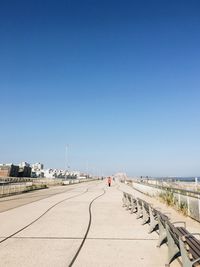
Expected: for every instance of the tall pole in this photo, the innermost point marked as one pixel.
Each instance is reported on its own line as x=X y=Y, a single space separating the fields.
x=66 y=159
x=87 y=168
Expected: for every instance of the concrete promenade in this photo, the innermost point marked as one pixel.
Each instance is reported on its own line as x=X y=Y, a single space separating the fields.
x=54 y=227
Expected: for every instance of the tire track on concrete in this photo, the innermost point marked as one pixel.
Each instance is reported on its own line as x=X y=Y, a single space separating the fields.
x=87 y=231
x=36 y=200
x=42 y=215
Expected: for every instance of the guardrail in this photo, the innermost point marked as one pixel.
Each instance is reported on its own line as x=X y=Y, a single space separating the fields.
x=184 y=200
x=171 y=189
x=13 y=186
x=17 y=188
x=28 y=179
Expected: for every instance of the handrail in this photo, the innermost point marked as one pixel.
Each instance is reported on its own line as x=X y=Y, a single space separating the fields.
x=174 y=189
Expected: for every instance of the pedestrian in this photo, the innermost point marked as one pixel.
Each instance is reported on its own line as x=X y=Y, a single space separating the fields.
x=109 y=181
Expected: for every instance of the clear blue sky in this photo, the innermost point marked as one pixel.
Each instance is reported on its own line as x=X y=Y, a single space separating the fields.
x=119 y=81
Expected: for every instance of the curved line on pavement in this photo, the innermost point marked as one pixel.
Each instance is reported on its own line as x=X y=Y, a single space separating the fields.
x=87 y=231
x=20 y=230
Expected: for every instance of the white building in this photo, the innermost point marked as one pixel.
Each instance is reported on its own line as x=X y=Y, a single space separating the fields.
x=49 y=173
x=37 y=170
x=58 y=173
x=37 y=166
x=54 y=173
x=121 y=176
x=24 y=164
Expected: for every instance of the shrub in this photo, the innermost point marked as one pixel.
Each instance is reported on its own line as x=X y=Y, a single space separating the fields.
x=168 y=198
x=183 y=208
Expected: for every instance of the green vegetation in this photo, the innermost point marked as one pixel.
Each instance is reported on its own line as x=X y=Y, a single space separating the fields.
x=35 y=187
x=183 y=208
x=169 y=198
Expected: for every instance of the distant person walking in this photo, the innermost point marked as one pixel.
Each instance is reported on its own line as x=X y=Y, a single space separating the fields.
x=109 y=181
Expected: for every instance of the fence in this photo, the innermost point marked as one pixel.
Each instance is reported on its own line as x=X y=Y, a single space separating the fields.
x=186 y=200
x=11 y=189
x=11 y=186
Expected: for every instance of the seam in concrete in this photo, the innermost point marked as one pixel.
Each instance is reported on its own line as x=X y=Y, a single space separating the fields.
x=89 y=238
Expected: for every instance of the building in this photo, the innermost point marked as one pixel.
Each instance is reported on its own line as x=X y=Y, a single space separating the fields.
x=24 y=171
x=9 y=170
x=24 y=164
x=37 y=167
x=121 y=176
x=37 y=170
x=57 y=173
x=50 y=173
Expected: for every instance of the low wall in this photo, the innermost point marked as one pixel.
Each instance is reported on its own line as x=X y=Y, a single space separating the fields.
x=76 y=181
x=189 y=200
x=7 y=189
x=12 y=189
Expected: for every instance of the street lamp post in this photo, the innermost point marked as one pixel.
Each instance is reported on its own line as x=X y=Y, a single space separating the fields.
x=66 y=159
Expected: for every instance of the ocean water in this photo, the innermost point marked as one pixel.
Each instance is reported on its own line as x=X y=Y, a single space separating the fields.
x=186 y=179
x=173 y=179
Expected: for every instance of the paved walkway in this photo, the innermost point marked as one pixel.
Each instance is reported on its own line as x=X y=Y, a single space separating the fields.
x=115 y=238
